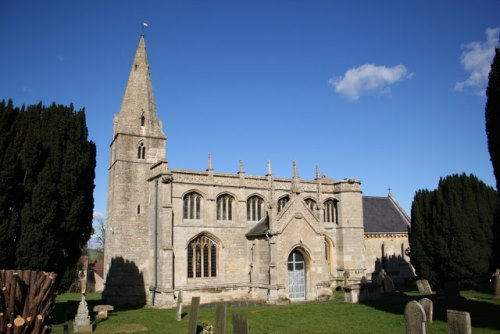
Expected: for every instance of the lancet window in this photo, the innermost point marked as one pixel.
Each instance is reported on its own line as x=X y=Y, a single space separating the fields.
x=225 y=207
x=202 y=258
x=282 y=202
x=330 y=211
x=141 y=151
x=192 y=206
x=255 y=208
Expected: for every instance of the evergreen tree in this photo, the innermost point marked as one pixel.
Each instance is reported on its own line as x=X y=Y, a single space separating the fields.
x=46 y=187
x=451 y=235
x=493 y=136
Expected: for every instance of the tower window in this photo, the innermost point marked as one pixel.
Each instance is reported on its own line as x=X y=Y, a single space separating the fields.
x=143 y=120
x=330 y=214
x=138 y=209
x=255 y=208
x=141 y=151
x=192 y=206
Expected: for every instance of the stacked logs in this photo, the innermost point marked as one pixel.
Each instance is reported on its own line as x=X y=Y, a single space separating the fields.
x=26 y=301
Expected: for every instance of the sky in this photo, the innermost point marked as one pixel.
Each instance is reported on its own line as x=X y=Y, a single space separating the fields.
x=387 y=92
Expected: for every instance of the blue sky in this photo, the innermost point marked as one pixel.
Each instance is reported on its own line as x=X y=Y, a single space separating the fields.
x=387 y=92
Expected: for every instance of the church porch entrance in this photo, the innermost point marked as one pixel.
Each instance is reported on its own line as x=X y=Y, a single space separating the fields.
x=296 y=276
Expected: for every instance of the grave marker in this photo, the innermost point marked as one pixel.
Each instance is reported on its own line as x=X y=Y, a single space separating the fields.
x=178 y=314
x=220 y=319
x=414 y=318
x=193 y=315
x=240 y=324
x=458 y=322
x=428 y=308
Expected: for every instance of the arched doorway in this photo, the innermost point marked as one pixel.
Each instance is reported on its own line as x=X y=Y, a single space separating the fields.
x=296 y=276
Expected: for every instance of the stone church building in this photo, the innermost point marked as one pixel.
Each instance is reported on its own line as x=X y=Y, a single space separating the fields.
x=233 y=236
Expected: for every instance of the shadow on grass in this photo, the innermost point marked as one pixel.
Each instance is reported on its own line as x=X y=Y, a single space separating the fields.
x=483 y=314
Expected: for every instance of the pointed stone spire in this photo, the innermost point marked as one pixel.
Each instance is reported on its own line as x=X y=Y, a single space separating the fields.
x=296 y=186
x=269 y=172
x=138 y=113
x=242 y=168
x=209 y=167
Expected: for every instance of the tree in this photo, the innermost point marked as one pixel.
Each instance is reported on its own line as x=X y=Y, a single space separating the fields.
x=46 y=187
x=451 y=235
x=493 y=135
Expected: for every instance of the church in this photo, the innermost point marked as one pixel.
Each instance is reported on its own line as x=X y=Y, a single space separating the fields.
x=235 y=236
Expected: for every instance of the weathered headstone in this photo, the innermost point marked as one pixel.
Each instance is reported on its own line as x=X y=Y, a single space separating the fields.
x=178 y=314
x=346 y=278
x=240 y=324
x=193 y=315
x=496 y=283
x=428 y=308
x=220 y=319
x=424 y=288
x=388 y=284
x=458 y=322
x=414 y=318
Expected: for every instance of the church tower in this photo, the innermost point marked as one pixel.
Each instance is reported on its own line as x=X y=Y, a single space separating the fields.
x=138 y=143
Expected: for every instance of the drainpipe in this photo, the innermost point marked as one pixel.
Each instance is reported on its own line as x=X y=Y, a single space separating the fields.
x=155 y=266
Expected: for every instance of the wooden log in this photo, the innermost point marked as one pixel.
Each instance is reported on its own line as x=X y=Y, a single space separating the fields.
x=38 y=324
x=46 y=329
x=26 y=282
x=18 y=325
x=27 y=326
x=9 y=328
x=2 y=323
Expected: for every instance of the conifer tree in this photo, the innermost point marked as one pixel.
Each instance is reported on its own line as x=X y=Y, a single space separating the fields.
x=451 y=235
x=493 y=135
x=46 y=187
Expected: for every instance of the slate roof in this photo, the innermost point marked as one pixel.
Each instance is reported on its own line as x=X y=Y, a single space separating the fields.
x=384 y=215
x=260 y=228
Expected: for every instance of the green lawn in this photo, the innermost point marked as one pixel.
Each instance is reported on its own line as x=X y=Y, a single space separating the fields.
x=383 y=316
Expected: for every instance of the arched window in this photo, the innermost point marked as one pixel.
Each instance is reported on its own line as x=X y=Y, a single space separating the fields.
x=192 y=206
x=255 y=208
x=202 y=258
x=330 y=214
x=282 y=202
x=225 y=207
x=141 y=151
x=311 y=204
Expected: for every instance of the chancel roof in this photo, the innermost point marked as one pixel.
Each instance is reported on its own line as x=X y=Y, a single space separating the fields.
x=384 y=215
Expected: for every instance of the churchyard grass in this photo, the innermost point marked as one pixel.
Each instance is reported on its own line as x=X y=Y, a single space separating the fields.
x=383 y=316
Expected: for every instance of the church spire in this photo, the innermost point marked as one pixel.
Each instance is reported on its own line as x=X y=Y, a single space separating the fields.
x=138 y=111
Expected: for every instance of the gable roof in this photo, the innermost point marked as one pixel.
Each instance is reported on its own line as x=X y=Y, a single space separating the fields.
x=384 y=215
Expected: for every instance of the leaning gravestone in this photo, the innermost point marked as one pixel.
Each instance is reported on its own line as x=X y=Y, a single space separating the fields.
x=178 y=314
x=193 y=315
x=428 y=308
x=220 y=319
x=415 y=318
x=424 y=288
x=458 y=322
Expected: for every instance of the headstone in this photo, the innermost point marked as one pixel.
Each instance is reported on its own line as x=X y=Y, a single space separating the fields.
x=82 y=320
x=193 y=315
x=496 y=283
x=424 y=288
x=178 y=314
x=220 y=319
x=414 y=318
x=346 y=278
x=458 y=322
x=428 y=308
x=388 y=284
x=240 y=324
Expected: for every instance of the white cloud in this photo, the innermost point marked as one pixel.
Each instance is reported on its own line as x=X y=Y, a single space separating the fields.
x=476 y=59
x=368 y=77
x=99 y=215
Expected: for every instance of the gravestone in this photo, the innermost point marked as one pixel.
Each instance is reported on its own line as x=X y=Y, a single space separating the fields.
x=424 y=288
x=458 y=322
x=178 y=314
x=193 y=315
x=414 y=318
x=82 y=320
x=220 y=319
x=496 y=283
x=388 y=284
x=428 y=308
x=240 y=324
